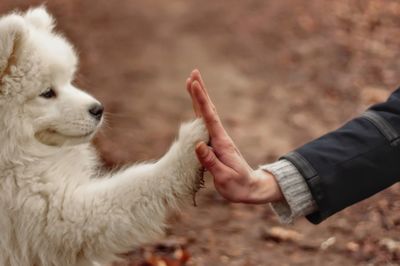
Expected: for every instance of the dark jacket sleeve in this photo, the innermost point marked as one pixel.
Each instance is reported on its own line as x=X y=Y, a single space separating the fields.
x=353 y=162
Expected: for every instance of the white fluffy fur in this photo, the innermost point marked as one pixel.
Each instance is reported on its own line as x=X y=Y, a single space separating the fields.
x=55 y=206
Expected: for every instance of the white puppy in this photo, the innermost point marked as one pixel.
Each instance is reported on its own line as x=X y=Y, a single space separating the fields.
x=56 y=208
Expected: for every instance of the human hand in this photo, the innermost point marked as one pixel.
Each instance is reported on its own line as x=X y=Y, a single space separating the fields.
x=234 y=179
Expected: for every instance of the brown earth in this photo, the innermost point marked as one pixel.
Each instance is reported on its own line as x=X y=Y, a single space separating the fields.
x=281 y=73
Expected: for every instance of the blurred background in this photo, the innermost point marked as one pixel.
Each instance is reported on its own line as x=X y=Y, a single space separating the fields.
x=280 y=72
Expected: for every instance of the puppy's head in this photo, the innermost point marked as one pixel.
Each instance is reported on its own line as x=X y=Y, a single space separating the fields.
x=37 y=99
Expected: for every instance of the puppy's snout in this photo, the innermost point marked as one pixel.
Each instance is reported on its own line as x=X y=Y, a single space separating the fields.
x=96 y=111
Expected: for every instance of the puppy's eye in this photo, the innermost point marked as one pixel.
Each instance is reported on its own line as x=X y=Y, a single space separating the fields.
x=49 y=93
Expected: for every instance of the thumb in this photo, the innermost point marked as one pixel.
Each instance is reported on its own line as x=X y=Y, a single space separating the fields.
x=209 y=160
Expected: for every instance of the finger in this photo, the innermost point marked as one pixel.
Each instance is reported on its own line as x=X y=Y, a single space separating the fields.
x=195 y=75
x=208 y=112
x=196 y=107
x=209 y=160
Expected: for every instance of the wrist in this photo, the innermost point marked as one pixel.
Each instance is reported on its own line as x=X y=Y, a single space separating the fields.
x=264 y=188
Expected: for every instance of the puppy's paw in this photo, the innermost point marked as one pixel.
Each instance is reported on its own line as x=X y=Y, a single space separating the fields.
x=192 y=133
x=189 y=135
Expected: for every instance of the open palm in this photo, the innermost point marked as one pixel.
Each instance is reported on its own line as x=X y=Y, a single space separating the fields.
x=234 y=179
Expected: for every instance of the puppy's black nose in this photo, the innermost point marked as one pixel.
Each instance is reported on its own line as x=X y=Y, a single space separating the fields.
x=96 y=110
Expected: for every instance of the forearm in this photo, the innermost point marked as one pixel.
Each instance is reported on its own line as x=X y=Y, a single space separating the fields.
x=281 y=185
x=112 y=213
x=130 y=206
x=296 y=199
x=353 y=162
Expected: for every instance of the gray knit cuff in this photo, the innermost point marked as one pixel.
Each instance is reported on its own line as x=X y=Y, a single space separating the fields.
x=298 y=199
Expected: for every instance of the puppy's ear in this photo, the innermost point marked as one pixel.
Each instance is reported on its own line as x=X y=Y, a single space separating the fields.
x=40 y=18
x=13 y=30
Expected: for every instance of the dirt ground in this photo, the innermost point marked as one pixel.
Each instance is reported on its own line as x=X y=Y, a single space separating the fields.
x=281 y=73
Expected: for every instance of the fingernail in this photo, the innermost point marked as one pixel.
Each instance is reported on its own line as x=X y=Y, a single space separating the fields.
x=202 y=149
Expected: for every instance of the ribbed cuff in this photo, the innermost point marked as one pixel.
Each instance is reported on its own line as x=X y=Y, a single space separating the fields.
x=298 y=198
